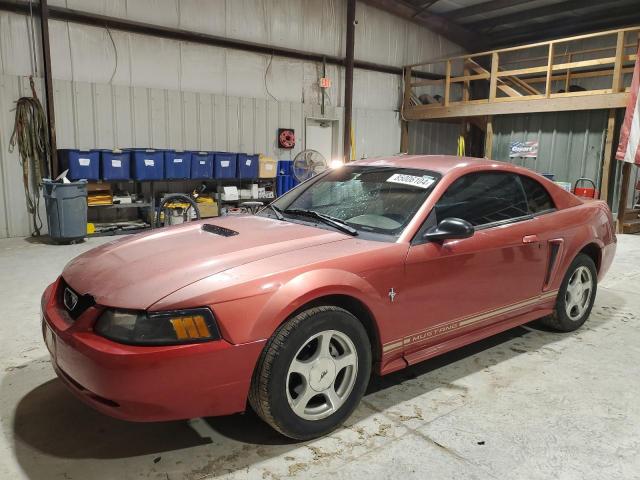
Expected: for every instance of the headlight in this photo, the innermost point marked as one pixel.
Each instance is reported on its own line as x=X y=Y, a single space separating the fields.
x=161 y=328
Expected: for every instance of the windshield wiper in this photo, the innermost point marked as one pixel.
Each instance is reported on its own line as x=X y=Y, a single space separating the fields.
x=326 y=219
x=276 y=210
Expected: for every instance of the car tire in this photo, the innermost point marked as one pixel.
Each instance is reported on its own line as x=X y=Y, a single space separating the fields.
x=574 y=302
x=312 y=373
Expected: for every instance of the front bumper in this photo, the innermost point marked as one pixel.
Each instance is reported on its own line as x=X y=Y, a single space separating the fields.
x=146 y=383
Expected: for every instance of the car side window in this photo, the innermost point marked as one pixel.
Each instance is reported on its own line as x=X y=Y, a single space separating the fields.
x=538 y=198
x=484 y=198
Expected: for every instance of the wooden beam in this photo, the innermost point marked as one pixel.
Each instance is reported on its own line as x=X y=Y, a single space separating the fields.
x=493 y=82
x=466 y=88
x=404 y=137
x=447 y=83
x=547 y=86
x=567 y=80
x=568 y=54
x=524 y=85
x=526 y=46
x=608 y=154
x=616 y=84
x=407 y=87
x=624 y=192
x=595 y=73
x=517 y=105
x=466 y=78
x=585 y=63
x=488 y=138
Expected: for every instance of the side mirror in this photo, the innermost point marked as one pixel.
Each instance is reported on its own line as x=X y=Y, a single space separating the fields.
x=450 y=228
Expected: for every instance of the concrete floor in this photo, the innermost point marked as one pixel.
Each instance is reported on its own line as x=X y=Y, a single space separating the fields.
x=525 y=404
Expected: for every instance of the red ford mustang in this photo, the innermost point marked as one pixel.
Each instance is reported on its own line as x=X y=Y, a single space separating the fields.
x=376 y=265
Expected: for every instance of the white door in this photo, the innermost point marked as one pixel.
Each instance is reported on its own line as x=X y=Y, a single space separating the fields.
x=319 y=137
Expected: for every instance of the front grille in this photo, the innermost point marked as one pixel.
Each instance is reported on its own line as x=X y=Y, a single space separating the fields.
x=72 y=302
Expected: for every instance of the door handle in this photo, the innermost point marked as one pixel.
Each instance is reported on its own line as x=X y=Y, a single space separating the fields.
x=530 y=239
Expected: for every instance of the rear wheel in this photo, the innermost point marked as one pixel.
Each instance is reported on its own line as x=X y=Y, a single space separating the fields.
x=312 y=373
x=576 y=296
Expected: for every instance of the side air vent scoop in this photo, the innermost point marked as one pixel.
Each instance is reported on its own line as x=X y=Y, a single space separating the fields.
x=216 y=229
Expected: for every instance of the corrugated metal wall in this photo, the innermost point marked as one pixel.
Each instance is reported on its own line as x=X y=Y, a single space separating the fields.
x=433 y=138
x=121 y=89
x=570 y=143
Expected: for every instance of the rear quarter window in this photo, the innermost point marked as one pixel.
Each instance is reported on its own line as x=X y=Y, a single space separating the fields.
x=538 y=198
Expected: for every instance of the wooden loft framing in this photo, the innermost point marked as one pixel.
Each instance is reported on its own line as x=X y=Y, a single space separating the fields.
x=521 y=80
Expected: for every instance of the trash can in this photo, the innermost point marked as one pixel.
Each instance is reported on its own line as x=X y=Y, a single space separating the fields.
x=66 y=210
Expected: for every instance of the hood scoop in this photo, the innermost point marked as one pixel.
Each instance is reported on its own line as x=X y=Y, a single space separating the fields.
x=218 y=230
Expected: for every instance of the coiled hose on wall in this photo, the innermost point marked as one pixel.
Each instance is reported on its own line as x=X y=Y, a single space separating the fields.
x=30 y=135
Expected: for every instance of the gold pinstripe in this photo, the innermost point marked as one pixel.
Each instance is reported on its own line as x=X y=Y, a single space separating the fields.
x=462 y=322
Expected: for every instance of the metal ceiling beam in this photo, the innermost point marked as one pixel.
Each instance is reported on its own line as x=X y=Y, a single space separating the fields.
x=486 y=7
x=615 y=18
x=85 y=18
x=424 y=7
x=527 y=13
x=468 y=39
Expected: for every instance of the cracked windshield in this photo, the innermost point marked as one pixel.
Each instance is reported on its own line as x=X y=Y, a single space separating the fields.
x=379 y=200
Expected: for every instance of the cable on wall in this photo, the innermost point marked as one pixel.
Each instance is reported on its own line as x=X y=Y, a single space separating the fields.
x=266 y=72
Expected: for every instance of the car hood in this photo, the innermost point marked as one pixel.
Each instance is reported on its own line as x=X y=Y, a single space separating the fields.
x=137 y=271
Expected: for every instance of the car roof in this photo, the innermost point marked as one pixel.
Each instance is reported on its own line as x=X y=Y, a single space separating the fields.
x=442 y=164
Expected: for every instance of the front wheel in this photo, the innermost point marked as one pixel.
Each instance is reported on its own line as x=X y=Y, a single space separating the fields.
x=576 y=296
x=312 y=373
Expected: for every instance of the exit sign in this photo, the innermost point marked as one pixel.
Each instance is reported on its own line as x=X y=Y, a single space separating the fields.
x=325 y=82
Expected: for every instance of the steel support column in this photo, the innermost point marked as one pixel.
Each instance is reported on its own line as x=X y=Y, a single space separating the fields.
x=48 y=87
x=348 y=78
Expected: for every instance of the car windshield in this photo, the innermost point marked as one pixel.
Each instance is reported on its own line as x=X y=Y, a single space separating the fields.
x=379 y=200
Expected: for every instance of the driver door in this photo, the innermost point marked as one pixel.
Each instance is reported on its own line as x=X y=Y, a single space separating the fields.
x=455 y=286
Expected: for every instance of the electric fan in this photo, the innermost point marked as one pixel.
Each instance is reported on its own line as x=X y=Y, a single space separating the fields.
x=308 y=163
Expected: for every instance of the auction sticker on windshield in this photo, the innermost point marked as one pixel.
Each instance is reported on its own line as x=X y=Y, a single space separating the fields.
x=424 y=181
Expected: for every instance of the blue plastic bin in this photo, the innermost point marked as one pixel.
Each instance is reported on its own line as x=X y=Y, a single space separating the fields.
x=285 y=167
x=248 y=165
x=177 y=165
x=284 y=183
x=201 y=165
x=82 y=164
x=147 y=164
x=224 y=165
x=115 y=165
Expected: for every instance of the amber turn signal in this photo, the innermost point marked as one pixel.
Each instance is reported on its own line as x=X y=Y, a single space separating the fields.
x=190 y=327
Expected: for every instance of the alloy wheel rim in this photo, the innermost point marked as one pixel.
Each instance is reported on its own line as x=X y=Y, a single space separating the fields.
x=322 y=375
x=578 y=294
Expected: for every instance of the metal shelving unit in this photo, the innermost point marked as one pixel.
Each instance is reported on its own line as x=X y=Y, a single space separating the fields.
x=213 y=184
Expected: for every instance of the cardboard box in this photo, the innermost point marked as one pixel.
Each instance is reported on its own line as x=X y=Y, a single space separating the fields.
x=268 y=167
x=245 y=193
x=208 y=210
x=229 y=193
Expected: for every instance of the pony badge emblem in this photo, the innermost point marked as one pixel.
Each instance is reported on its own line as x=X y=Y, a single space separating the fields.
x=392 y=295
